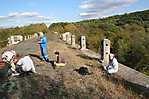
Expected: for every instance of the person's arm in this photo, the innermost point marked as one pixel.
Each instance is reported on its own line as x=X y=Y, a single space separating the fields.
x=38 y=42
x=9 y=65
x=43 y=40
x=19 y=66
x=31 y=64
x=13 y=67
x=19 y=63
x=33 y=69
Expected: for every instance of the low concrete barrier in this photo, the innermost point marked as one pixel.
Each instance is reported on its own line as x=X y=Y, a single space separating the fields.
x=137 y=80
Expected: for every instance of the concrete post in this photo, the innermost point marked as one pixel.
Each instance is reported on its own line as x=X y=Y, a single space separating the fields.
x=68 y=38
x=25 y=37
x=9 y=41
x=21 y=38
x=73 y=42
x=12 y=39
x=28 y=37
x=83 y=42
x=63 y=37
x=106 y=51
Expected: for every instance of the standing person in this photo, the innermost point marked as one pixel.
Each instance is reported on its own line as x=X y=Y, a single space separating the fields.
x=112 y=67
x=24 y=64
x=43 y=47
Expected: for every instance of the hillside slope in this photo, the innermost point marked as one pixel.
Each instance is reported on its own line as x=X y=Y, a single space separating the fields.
x=129 y=34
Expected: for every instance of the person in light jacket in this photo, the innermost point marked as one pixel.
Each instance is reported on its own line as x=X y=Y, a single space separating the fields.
x=24 y=64
x=112 y=67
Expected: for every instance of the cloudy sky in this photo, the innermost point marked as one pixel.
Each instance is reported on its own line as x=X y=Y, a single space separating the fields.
x=24 y=12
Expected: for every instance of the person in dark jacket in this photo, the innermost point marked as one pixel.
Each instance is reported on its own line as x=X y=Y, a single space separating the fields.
x=4 y=70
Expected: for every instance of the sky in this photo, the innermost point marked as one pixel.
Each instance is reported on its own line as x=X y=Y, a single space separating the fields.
x=24 y=12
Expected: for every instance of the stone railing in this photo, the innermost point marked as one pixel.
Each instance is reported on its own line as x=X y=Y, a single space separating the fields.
x=131 y=77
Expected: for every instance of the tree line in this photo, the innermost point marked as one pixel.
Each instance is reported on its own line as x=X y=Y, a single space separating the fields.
x=25 y=30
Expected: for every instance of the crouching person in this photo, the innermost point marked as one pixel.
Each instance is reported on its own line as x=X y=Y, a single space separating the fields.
x=24 y=65
x=112 y=67
x=8 y=57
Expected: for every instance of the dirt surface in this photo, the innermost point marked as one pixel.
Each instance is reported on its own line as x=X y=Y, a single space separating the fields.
x=68 y=82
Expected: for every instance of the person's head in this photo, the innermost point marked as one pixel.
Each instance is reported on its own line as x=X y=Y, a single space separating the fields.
x=18 y=56
x=40 y=34
x=111 y=56
x=8 y=56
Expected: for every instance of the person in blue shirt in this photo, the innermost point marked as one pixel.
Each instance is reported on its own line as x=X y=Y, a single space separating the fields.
x=43 y=47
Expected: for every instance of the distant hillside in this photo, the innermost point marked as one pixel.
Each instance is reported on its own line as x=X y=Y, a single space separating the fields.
x=26 y=30
x=129 y=34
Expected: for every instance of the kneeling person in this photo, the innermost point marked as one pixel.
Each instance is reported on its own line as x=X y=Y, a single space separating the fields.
x=24 y=65
x=112 y=67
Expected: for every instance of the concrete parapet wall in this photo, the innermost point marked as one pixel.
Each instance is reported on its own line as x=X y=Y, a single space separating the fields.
x=133 y=78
